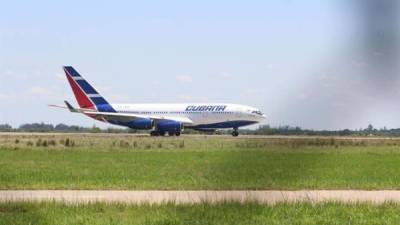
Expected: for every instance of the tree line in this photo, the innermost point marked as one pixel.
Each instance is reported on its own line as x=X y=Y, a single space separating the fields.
x=261 y=130
x=62 y=128
x=288 y=130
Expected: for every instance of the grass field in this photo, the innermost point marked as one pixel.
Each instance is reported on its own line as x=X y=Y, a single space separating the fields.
x=226 y=213
x=196 y=162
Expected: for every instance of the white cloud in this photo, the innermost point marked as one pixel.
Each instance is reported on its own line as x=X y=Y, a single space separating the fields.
x=103 y=88
x=226 y=75
x=39 y=91
x=252 y=92
x=359 y=63
x=3 y=96
x=119 y=98
x=302 y=96
x=269 y=67
x=21 y=74
x=61 y=76
x=185 y=97
x=184 y=79
x=8 y=98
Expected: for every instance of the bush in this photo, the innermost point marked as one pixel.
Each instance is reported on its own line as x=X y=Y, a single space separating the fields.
x=39 y=142
x=67 y=142
x=123 y=144
x=52 y=142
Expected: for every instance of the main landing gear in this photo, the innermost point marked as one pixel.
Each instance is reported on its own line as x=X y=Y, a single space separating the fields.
x=156 y=133
x=174 y=133
x=235 y=132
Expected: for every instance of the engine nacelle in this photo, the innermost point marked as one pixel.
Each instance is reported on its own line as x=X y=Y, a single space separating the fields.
x=141 y=124
x=169 y=126
x=138 y=124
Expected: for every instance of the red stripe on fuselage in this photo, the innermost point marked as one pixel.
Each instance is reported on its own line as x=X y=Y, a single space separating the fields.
x=83 y=100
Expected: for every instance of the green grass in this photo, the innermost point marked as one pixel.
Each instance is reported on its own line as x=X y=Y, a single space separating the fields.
x=224 y=213
x=193 y=163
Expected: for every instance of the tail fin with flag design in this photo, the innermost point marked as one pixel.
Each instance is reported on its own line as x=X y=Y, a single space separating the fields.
x=86 y=96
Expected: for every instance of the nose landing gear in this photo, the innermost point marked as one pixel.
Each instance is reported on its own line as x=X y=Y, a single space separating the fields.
x=235 y=132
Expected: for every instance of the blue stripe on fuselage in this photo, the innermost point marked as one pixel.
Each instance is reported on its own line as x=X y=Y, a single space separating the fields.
x=222 y=125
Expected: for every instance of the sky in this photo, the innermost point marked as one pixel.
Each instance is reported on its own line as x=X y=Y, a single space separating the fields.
x=315 y=64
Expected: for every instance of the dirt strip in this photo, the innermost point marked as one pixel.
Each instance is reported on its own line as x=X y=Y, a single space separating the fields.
x=189 y=197
x=193 y=136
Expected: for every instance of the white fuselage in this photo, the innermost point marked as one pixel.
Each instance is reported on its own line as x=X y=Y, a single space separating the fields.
x=205 y=115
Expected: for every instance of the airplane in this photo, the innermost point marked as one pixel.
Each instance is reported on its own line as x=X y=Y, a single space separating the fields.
x=160 y=119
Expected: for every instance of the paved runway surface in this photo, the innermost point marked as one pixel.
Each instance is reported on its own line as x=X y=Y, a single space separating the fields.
x=192 y=136
x=187 y=197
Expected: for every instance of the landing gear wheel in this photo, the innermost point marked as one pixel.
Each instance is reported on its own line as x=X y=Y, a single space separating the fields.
x=178 y=133
x=235 y=132
x=154 y=133
x=162 y=133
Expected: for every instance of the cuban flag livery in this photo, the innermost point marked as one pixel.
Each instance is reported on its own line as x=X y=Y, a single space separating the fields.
x=159 y=119
x=85 y=94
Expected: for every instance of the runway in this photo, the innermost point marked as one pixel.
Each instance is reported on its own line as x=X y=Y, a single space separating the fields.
x=192 y=197
x=192 y=136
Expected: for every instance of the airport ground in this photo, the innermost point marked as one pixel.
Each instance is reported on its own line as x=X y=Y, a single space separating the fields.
x=198 y=162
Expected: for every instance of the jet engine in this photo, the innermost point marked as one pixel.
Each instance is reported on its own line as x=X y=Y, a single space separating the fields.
x=137 y=124
x=169 y=126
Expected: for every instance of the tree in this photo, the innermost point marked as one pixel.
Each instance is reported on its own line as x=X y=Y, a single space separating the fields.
x=5 y=127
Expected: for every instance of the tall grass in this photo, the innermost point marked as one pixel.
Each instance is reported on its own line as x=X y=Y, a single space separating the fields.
x=111 y=142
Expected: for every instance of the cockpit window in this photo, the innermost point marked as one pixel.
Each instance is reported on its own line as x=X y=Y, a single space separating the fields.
x=257 y=112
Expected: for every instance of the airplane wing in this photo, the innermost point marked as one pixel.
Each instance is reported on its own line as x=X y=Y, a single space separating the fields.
x=126 y=117
x=123 y=117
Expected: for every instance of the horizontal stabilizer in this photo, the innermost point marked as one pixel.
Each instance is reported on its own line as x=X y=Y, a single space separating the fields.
x=70 y=107
x=58 y=106
x=73 y=109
